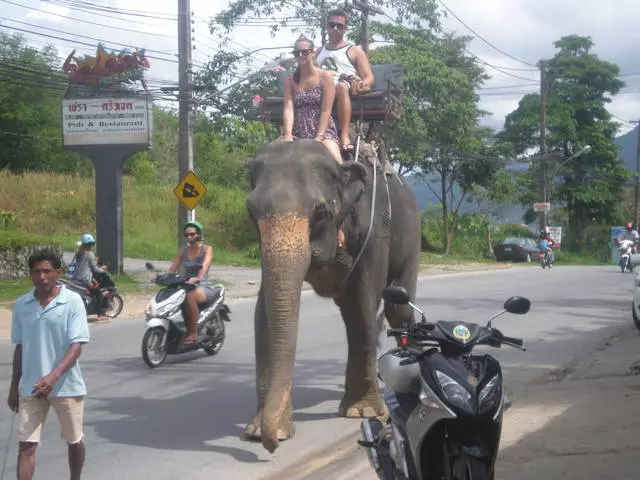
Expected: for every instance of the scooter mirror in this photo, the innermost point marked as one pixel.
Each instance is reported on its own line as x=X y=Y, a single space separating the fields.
x=517 y=305
x=397 y=295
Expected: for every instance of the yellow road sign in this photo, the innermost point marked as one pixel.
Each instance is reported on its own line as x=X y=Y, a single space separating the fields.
x=190 y=190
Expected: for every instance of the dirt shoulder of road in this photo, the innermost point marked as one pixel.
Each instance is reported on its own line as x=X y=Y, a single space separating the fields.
x=240 y=282
x=580 y=422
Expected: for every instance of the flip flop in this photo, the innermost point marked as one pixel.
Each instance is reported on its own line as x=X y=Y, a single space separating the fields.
x=347 y=150
x=190 y=342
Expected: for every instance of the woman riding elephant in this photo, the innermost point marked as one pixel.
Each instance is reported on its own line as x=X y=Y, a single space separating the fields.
x=300 y=198
x=308 y=99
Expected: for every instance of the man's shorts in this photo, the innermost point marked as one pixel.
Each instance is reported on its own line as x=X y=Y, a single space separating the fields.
x=337 y=78
x=33 y=413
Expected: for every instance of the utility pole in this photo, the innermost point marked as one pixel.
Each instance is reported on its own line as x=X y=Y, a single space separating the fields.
x=366 y=9
x=543 y=143
x=185 y=98
x=636 y=196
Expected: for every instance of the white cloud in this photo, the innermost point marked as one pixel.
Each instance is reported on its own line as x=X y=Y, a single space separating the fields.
x=523 y=29
x=45 y=13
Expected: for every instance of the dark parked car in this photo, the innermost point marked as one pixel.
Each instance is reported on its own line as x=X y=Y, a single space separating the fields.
x=516 y=249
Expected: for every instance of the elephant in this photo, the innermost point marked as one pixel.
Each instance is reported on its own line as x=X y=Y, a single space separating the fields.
x=300 y=196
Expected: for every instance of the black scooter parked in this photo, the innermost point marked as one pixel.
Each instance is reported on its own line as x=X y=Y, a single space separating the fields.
x=112 y=301
x=445 y=404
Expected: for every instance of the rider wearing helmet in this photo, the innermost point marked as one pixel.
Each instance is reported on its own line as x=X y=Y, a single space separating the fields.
x=195 y=259
x=630 y=234
x=87 y=267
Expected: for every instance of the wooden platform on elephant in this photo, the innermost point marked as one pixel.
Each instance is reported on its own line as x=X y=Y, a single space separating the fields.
x=382 y=104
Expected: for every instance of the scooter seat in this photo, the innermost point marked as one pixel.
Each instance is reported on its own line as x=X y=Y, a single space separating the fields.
x=213 y=298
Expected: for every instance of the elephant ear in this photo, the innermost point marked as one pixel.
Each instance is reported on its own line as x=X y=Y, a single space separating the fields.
x=355 y=175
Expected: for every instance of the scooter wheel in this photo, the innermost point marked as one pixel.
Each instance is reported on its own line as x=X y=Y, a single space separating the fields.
x=636 y=320
x=469 y=468
x=213 y=347
x=153 y=353
x=114 y=306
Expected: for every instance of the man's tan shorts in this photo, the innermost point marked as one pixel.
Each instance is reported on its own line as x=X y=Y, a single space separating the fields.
x=33 y=413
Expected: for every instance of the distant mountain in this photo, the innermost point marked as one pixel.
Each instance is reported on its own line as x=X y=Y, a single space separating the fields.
x=627 y=144
x=423 y=189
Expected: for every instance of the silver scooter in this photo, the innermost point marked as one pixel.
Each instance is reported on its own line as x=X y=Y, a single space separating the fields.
x=165 y=321
x=445 y=403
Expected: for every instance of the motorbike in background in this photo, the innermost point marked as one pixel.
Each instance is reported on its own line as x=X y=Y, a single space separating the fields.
x=165 y=321
x=544 y=257
x=625 y=249
x=445 y=403
x=112 y=301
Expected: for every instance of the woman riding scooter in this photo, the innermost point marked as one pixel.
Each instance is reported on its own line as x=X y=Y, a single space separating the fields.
x=195 y=259
x=86 y=268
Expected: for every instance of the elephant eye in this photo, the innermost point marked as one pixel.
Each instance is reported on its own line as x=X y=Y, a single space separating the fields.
x=321 y=213
x=321 y=220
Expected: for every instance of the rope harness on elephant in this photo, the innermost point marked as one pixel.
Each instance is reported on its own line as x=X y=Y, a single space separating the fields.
x=374 y=167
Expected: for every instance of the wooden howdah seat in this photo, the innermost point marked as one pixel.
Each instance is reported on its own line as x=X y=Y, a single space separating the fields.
x=382 y=104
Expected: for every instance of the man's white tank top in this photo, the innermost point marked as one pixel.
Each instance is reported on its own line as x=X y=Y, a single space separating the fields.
x=336 y=60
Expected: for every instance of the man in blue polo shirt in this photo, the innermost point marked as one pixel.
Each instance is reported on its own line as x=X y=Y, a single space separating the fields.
x=48 y=328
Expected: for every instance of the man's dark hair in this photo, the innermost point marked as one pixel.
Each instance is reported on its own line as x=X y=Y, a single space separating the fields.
x=45 y=255
x=338 y=12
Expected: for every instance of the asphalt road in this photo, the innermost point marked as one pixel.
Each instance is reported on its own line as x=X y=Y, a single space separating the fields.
x=185 y=419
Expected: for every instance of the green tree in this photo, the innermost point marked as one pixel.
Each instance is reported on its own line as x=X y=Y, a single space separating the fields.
x=31 y=92
x=438 y=136
x=580 y=87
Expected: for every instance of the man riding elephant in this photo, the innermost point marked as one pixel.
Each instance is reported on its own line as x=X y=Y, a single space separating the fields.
x=300 y=197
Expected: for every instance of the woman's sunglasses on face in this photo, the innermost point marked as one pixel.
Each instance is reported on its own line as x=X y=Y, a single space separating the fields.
x=339 y=26
x=190 y=234
x=305 y=52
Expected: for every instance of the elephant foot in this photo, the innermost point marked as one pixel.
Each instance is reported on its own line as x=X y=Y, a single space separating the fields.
x=368 y=407
x=286 y=430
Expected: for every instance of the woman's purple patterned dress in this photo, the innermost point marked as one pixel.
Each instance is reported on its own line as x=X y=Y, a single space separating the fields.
x=307 y=106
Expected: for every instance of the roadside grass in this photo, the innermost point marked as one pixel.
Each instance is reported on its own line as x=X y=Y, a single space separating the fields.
x=431 y=258
x=12 y=289
x=61 y=207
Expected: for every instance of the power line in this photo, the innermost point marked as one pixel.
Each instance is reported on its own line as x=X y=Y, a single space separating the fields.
x=163 y=35
x=91 y=7
x=77 y=35
x=485 y=40
x=500 y=69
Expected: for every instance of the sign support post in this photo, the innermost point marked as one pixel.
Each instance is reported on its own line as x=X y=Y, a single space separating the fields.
x=107 y=131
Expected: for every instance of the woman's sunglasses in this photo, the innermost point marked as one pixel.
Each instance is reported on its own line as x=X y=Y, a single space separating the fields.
x=305 y=52
x=190 y=234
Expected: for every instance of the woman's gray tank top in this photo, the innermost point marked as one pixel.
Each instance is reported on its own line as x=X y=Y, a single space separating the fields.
x=193 y=266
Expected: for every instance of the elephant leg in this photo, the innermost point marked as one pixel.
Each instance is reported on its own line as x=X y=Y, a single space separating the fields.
x=252 y=430
x=361 y=397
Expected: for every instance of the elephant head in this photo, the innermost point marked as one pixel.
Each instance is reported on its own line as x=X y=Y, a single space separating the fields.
x=299 y=197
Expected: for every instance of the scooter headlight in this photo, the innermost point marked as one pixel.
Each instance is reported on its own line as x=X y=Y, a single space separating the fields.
x=147 y=310
x=455 y=393
x=490 y=395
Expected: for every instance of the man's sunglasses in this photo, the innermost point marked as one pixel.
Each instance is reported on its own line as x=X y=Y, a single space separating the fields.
x=339 y=26
x=305 y=52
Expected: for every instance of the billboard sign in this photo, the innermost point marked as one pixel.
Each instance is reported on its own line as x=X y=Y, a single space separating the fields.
x=106 y=121
x=556 y=235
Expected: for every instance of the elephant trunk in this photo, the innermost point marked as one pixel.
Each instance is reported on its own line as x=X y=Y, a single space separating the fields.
x=285 y=255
